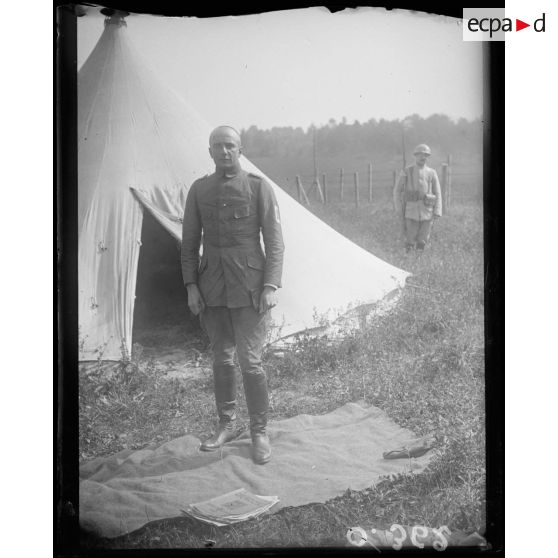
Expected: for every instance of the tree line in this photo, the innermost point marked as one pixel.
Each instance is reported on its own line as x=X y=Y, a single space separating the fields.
x=378 y=137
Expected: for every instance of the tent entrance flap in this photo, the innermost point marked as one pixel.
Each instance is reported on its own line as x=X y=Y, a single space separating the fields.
x=171 y=221
x=161 y=315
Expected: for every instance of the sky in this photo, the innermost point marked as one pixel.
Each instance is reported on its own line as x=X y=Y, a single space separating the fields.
x=303 y=67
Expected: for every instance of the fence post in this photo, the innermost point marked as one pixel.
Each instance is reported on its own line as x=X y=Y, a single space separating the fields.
x=445 y=186
x=341 y=185
x=324 y=185
x=370 y=182
x=319 y=188
x=316 y=184
x=448 y=195
x=394 y=185
x=301 y=193
x=356 y=189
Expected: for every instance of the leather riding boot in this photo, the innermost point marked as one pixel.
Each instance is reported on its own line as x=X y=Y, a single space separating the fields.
x=224 y=385
x=225 y=391
x=255 y=389
x=257 y=401
x=261 y=448
x=226 y=431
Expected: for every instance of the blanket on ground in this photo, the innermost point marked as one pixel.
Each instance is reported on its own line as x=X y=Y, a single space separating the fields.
x=315 y=458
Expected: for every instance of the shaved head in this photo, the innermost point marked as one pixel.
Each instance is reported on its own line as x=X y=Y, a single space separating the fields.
x=221 y=131
x=225 y=148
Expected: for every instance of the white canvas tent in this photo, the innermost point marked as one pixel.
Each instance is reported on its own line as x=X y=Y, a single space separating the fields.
x=140 y=147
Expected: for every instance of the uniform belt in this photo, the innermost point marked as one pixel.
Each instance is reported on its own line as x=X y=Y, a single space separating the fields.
x=413 y=195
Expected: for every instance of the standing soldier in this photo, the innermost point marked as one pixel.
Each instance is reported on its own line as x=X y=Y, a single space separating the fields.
x=418 y=199
x=233 y=286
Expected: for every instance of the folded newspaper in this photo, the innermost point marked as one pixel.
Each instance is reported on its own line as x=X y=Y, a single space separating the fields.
x=235 y=506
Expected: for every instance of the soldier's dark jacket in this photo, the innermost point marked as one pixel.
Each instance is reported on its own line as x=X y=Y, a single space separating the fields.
x=226 y=213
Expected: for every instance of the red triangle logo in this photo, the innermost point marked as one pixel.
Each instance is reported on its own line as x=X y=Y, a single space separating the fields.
x=519 y=25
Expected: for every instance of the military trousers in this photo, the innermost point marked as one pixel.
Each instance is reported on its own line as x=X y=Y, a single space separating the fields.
x=417 y=233
x=241 y=331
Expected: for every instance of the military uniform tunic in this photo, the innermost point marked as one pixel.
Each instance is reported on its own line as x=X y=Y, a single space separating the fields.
x=229 y=213
x=414 y=184
x=418 y=181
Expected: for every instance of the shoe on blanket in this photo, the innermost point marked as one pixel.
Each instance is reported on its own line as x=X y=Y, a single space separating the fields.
x=225 y=433
x=416 y=449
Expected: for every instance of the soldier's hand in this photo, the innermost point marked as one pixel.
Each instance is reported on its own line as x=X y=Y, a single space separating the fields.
x=195 y=299
x=268 y=299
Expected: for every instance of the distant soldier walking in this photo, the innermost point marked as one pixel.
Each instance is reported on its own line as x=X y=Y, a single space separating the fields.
x=418 y=199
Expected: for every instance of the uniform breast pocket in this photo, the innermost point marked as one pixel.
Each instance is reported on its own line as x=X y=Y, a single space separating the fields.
x=242 y=212
x=244 y=220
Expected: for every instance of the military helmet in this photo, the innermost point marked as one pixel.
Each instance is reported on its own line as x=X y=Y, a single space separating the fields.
x=422 y=148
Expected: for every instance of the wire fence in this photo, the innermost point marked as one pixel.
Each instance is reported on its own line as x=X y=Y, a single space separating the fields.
x=366 y=184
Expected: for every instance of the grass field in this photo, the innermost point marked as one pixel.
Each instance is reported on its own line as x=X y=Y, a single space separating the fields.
x=423 y=364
